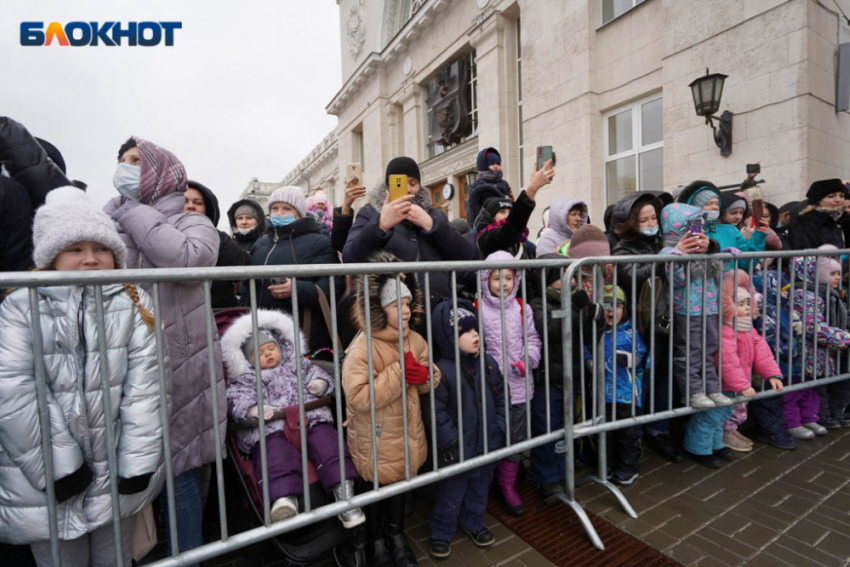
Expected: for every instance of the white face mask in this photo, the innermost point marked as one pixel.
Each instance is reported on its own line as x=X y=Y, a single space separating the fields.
x=126 y=180
x=245 y=230
x=712 y=216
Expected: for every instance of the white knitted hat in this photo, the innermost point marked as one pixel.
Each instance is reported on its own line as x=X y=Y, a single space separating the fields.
x=390 y=293
x=290 y=195
x=68 y=217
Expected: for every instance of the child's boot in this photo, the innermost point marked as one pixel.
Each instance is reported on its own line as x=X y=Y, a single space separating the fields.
x=801 y=433
x=732 y=441
x=396 y=544
x=349 y=518
x=283 y=508
x=507 y=484
x=700 y=400
x=720 y=400
x=815 y=428
x=379 y=555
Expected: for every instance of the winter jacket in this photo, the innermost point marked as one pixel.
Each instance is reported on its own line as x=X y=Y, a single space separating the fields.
x=28 y=163
x=16 y=217
x=812 y=309
x=775 y=325
x=229 y=253
x=407 y=241
x=812 y=229
x=517 y=318
x=627 y=385
x=341 y=228
x=739 y=359
x=674 y=224
x=294 y=244
x=510 y=234
x=163 y=236
x=446 y=396
x=559 y=232
x=728 y=236
x=475 y=199
x=247 y=241
x=280 y=384
x=72 y=363
x=323 y=217
x=640 y=272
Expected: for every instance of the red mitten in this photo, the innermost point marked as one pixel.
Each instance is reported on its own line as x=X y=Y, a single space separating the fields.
x=519 y=368
x=414 y=373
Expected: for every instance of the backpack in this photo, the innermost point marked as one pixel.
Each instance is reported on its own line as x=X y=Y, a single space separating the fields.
x=660 y=317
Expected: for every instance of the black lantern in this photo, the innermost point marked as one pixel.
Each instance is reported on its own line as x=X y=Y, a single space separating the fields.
x=707 y=92
x=471 y=177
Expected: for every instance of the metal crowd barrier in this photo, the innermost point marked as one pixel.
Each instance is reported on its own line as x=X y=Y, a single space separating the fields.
x=591 y=420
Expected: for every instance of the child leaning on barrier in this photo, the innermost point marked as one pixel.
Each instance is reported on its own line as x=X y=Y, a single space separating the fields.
x=624 y=380
x=801 y=406
x=386 y=517
x=743 y=353
x=834 y=398
x=278 y=372
x=462 y=499
x=497 y=291
x=71 y=234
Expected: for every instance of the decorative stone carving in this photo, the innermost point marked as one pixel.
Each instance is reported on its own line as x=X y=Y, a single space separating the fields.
x=355 y=31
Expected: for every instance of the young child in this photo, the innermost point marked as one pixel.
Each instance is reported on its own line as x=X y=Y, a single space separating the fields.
x=801 y=406
x=834 y=397
x=386 y=518
x=69 y=233
x=626 y=449
x=463 y=498
x=278 y=370
x=496 y=292
x=744 y=351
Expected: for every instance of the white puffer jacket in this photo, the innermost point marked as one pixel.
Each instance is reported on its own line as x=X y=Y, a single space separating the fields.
x=74 y=398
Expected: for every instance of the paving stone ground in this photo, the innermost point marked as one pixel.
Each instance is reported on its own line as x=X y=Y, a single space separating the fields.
x=767 y=508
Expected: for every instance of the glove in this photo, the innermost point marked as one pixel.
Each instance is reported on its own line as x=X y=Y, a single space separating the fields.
x=268 y=412
x=732 y=250
x=580 y=300
x=518 y=368
x=596 y=312
x=317 y=387
x=73 y=484
x=134 y=485
x=414 y=373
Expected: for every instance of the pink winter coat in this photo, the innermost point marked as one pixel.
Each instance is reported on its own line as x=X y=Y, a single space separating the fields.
x=750 y=353
x=516 y=316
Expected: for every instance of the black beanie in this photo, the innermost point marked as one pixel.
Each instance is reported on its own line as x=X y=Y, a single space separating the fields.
x=822 y=188
x=552 y=274
x=495 y=204
x=403 y=166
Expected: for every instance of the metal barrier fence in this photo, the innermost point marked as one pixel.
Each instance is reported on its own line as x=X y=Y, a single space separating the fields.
x=593 y=420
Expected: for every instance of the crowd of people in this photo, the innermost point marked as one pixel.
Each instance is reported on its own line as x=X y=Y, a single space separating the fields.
x=730 y=337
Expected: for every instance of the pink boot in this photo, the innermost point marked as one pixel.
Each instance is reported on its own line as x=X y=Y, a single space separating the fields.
x=507 y=483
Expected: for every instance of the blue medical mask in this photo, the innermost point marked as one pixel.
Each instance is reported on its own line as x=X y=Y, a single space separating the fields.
x=650 y=230
x=712 y=216
x=282 y=220
x=126 y=180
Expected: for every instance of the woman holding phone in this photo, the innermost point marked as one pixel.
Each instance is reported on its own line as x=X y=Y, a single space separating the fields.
x=407 y=226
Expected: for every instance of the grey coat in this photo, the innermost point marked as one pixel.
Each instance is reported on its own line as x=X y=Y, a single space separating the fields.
x=72 y=364
x=163 y=236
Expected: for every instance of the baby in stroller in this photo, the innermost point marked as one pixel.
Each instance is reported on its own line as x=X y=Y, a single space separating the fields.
x=276 y=357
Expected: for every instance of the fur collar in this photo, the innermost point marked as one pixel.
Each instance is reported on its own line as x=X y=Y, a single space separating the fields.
x=378 y=195
x=279 y=324
x=377 y=317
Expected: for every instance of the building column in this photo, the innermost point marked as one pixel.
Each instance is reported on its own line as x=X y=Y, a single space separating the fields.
x=414 y=131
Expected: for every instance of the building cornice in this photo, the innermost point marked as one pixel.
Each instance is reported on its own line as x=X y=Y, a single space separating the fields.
x=321 y=154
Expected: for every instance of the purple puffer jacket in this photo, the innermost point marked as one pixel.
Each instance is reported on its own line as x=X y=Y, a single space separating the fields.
x=516 y=316
x=280 y=384
x=163 y=236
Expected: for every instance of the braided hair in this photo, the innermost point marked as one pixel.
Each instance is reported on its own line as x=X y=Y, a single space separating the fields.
x=147 y=316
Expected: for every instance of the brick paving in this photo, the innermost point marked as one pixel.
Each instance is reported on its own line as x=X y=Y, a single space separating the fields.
x=767 y=508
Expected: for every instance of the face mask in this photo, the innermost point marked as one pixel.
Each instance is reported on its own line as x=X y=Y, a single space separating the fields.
x=554 y=293
x=245 y=230
x=650 y=231
x=126 y=180
x=283 y=220
x=712 y=216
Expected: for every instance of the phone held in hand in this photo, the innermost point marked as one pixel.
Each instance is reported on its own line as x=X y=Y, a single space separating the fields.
x=753 y=168
x=354 y=170
x=694 y=226
x=398 y=186
x=758 y=211
x=544 y=154
x=279 y=281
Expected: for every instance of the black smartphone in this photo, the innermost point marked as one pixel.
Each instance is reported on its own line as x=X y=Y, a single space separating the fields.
x=753 y=168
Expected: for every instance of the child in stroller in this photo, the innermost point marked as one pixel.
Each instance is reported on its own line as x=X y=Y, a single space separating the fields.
x=276 y=358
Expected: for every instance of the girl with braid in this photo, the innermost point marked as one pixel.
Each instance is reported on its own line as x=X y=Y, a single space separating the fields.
x=70 y=234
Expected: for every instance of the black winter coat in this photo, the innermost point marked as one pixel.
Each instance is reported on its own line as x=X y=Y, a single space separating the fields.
x=27 y=163
x=639 y=271
x=294 y=244
x=16 y=216
x=407 y=241
x=474 y=202
x=813 y=229
x=341 y=228
x=446 y=396
x=247 y=241
x=507 y=236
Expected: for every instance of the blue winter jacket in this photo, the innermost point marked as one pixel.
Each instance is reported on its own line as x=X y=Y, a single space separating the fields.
x=728 y=236
x=626 y=383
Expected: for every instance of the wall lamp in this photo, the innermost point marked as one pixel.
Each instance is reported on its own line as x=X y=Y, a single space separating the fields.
x=707 y=91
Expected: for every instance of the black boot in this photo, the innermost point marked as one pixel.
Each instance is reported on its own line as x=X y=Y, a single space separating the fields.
x=394 y=525
x=377 y=551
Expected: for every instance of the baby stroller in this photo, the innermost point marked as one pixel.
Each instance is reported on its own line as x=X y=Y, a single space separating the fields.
x=306 y=545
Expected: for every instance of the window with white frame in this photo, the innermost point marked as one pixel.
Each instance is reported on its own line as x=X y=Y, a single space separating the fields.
x=634 y=148
x=615 y=8
x=470 y=94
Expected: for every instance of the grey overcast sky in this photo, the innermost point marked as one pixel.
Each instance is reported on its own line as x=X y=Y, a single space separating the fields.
x=241 y=94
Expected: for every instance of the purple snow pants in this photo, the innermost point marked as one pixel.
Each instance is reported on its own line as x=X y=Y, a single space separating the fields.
x=800 y=406
x=284 y=461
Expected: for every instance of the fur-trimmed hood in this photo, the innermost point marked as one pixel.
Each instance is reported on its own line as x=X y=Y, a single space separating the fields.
x=378 y=195
x=276 y=323
x=376 y=282
x=729 y=308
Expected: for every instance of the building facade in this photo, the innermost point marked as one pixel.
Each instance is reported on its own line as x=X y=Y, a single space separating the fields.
x=605 y=82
